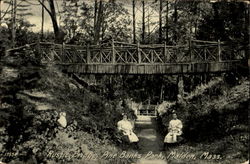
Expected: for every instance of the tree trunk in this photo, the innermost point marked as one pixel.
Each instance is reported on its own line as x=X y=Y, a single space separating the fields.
x=42 y=25
x=95 y=13
x=143 y=21
x=175 y=21
x=149 y=39
x=98 y=23
x=167 y=23
x=58 y=34
x=160 y=22
x=247 y=30
x=0 y=13
x=134 y=32
x=13 y=28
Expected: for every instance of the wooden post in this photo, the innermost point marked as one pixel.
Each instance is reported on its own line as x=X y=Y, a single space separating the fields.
x=139 y=52
x=161 y=94
x=219 y=51
x=63 y=51
x=88 y=54
x=152 y=57
x=166 y=55
x=205 y=53
x=155 y=112
x=51 y=55
x=113 y=52
x=190 y=49
x=38 y=50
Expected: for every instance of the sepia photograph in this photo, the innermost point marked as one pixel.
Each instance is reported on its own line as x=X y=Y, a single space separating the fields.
x=124 y=81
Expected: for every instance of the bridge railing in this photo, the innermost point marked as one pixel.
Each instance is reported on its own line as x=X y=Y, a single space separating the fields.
x=125 y=53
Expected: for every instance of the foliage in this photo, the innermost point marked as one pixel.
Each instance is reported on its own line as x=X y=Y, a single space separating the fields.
x=32 y=133
x=215 y=118
x=78 y=19
x=226 y=21
x=208 y=120
x=4 y=39
x=23 y=34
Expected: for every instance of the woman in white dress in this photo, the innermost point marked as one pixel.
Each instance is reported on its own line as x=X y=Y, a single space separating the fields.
x=174 y=130
x=126 y=127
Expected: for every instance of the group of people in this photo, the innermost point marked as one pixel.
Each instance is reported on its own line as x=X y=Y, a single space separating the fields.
x=174 y=130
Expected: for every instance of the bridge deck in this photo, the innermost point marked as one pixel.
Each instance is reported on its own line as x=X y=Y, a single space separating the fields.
x=177 y=68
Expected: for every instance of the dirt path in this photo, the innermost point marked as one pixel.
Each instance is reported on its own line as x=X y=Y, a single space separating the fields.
x=150 y=141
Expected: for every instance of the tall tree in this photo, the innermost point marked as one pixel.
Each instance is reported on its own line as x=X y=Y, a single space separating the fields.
x=70 y=16
x=247 y=29
x=175 y=15
x=59 y=34
x=13 y=22
x=95 y=12
x=0 y=13
x=160 y=22
x=134 y=21
x=42 y=23
x=167 y=22
x=99 y=20
x=143 y=21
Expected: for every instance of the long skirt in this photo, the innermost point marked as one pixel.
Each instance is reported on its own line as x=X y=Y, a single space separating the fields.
x=171 y=137
x=132 y=137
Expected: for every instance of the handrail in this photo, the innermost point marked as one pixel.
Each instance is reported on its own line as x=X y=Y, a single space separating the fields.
x=154 y=53
x=210 y=43
x=204 y=41
x=21 y=47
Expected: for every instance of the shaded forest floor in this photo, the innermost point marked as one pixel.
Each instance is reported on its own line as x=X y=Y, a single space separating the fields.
x=32 y=96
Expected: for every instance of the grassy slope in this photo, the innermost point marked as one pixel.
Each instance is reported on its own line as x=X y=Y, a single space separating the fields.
x=41 y=92
x=230 y=104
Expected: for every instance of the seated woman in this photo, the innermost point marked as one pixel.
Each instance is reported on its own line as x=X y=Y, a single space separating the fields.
x=174 y=130
x=126 y=128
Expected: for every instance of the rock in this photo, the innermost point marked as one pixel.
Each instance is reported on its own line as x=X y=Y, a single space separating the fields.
x=72 y=86
x=247 y=162
x=9 y=74
x=84 y=148
x=37 y=94
x=38 y=105
x=62 y=119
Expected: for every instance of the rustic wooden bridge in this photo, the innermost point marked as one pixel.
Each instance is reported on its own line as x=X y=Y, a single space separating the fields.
x=124 y=58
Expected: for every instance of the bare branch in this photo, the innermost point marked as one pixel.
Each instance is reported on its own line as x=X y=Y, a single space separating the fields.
x=6 y=11
x=45 y=7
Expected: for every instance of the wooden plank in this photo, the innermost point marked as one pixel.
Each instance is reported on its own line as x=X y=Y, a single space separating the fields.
x=151 y=68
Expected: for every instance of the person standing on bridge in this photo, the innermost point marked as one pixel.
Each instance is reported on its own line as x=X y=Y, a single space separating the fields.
x=174 y=130
x=126 y=127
